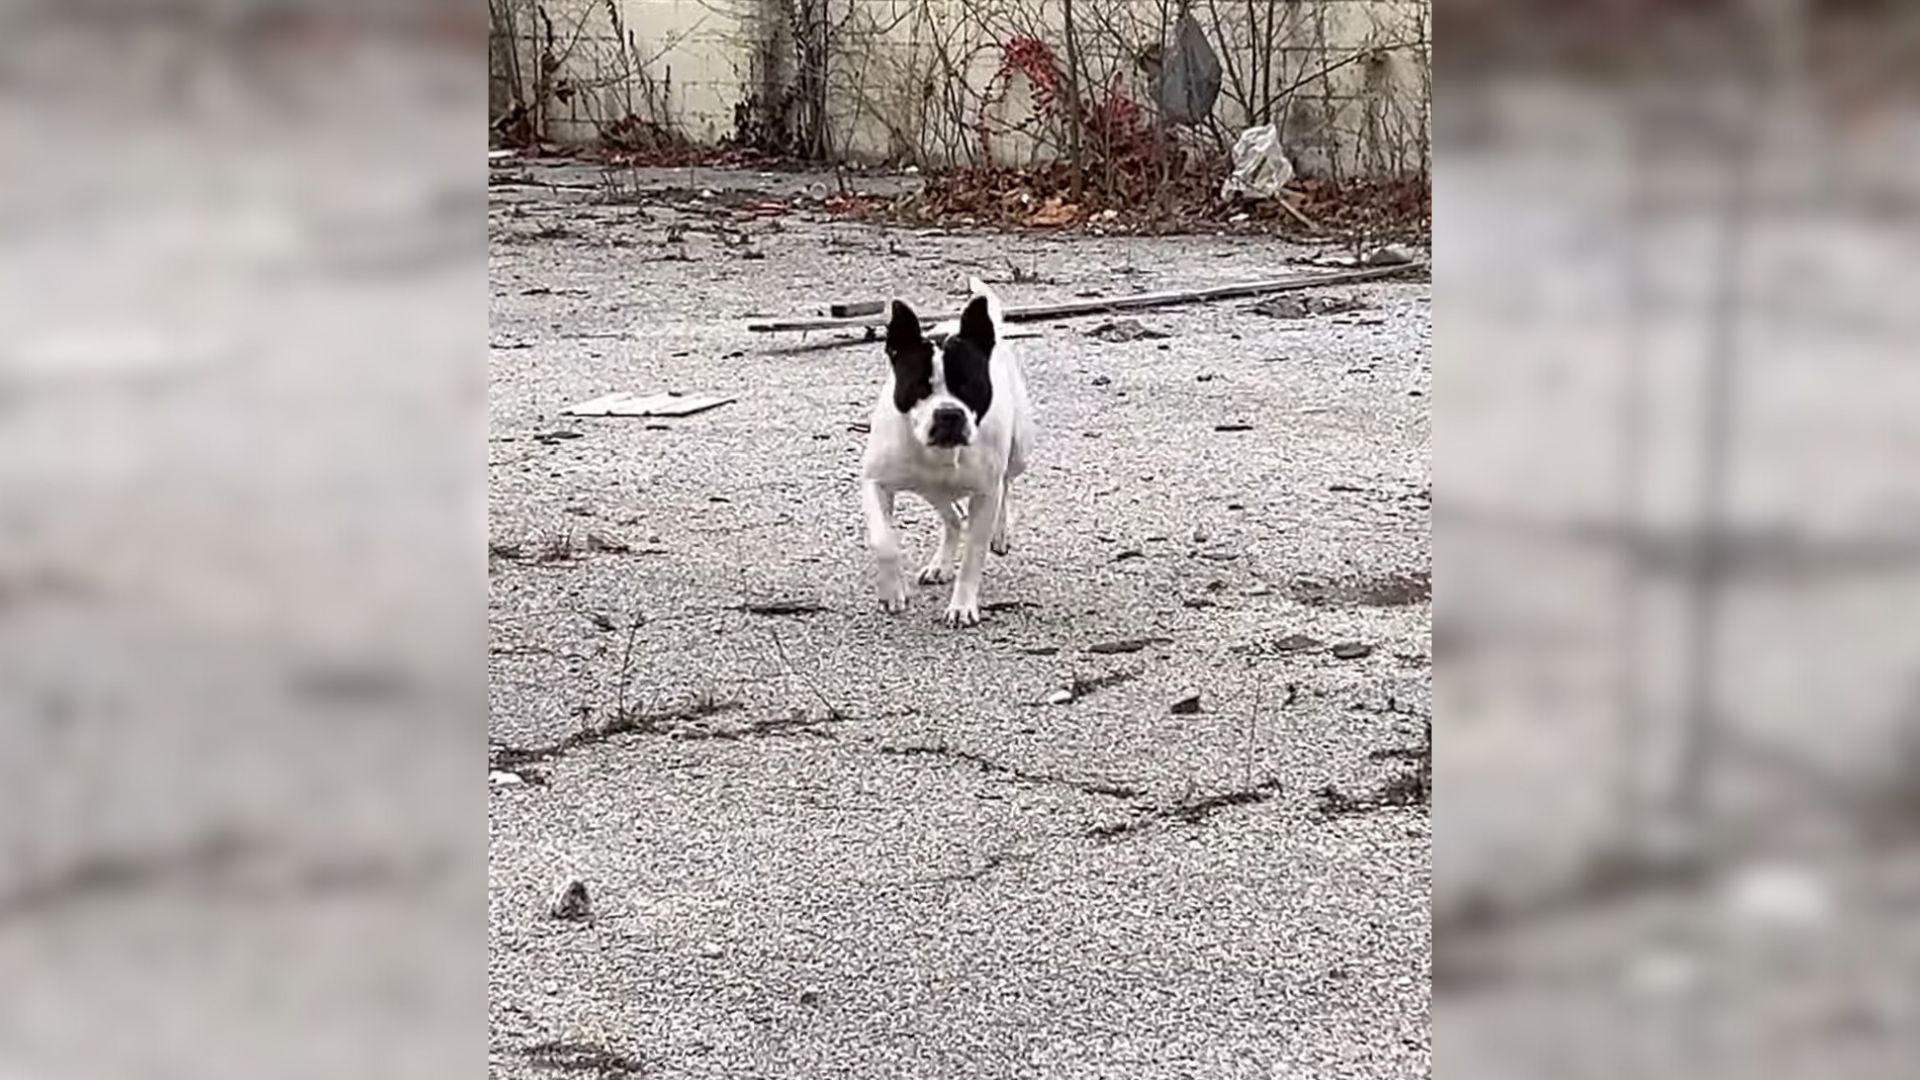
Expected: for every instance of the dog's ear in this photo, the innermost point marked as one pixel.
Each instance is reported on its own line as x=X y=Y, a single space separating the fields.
x=976 y=324
x=903 y=329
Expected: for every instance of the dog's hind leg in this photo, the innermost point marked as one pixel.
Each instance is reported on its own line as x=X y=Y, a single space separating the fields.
x=953 y=533
x=1003 y=522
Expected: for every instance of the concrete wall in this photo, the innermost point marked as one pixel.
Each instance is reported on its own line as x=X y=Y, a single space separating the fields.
x=910 y=80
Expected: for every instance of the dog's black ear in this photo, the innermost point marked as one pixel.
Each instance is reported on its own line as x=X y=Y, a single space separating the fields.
x=903 y=329
x=976 y=324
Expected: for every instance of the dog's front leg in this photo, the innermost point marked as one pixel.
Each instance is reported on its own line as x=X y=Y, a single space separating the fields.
x=982 y=510
x=953 y=530
x=883 y=539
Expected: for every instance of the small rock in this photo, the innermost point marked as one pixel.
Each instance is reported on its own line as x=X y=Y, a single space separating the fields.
x=1198 y=602
x=1390 y=255
x=1061 y=696
x=1186 y=704
x=570 y=901
x=1261 y=589
x=712 y=950
x=551 y=987
x=1102 y=380
x=1352 y=650
x=1040 y=650
x=502 y=778
x=1130 y=553
x=809 y=996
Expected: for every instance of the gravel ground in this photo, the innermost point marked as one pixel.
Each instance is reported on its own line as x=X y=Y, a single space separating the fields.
x=819 y=841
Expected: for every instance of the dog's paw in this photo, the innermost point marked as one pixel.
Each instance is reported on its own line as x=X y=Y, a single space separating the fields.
x=963 y=613
x=1000 y=544
x=935 y=574
x=893 y=597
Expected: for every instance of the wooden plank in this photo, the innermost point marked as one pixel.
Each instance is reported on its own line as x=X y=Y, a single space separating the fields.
x=627 y=403
x=1043 y=312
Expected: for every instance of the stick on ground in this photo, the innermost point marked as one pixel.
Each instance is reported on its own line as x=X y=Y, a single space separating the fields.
x=1043 y=312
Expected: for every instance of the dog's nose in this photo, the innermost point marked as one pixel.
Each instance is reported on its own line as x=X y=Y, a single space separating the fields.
x=949 y=427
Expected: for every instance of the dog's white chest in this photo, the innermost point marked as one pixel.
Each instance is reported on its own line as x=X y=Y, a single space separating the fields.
x=900 y=462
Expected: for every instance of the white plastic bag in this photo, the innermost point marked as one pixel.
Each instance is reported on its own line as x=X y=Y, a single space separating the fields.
x=1260 y=165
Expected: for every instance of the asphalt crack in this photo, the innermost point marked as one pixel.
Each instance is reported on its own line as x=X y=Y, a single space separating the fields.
x=1188 y=811
x=221 y=861
x=993 y=862
x=1095 y=786
x=592 y=1059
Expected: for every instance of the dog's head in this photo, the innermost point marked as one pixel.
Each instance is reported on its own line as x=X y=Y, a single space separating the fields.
x=944 y=391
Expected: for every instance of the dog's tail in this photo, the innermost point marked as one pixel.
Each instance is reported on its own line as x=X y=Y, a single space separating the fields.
x=994 y=308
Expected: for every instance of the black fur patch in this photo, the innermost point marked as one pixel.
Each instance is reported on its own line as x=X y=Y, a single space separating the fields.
x=967 y=359
x=911 y=356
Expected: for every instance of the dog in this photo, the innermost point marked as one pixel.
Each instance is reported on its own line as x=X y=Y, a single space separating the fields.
x=952 y=425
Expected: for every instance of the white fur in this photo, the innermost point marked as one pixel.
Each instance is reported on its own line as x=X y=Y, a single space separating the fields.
x=975 y=480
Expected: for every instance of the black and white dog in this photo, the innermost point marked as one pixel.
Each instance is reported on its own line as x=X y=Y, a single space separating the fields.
x=952 y=426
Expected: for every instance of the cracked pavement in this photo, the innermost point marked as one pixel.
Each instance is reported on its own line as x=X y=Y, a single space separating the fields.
x=820 y=841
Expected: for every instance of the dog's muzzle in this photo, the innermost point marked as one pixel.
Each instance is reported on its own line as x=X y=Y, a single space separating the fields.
x=948 y=427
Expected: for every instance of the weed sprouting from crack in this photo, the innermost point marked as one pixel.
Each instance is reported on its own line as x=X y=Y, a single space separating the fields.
x=579 y=1057
x=1095 y=786
x=626 y=722
x=558 y=549
x=1411 y=787
x=1189 y=810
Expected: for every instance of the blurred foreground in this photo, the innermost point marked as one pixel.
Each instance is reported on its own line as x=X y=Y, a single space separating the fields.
x=1678 y=553
x=240 y=411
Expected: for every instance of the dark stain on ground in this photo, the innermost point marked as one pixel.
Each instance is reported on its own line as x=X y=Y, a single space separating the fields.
x=985 y=764
x=1125 y=645
x=1284 y=646
x=1081 y=687
x=1398 y=589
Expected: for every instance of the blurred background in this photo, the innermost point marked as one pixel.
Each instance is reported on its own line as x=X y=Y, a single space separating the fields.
x=1678 y=417
x=241 y=416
